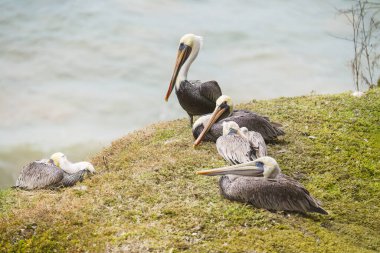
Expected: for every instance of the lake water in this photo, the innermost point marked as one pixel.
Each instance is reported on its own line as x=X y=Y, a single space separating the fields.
x=76 y=75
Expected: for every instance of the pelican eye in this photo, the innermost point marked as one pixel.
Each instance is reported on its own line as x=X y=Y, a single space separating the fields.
x=232 y=131
x=223 y=105
x=260 y=165
x=181 y=46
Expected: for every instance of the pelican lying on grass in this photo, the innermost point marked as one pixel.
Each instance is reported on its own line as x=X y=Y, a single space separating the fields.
x=195 y=97
x=210 y=127
x=238 y=145
x=53 y=173
x=261 y=184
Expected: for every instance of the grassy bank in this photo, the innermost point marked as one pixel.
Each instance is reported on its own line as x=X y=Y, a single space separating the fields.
x=148 y=197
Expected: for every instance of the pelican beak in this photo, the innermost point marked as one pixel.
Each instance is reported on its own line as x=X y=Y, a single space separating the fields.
x=214 y=117
x=182 y=55
x=245 y=169
x=241 y=134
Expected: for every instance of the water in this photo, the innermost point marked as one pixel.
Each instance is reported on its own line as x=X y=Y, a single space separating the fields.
x=77 y=74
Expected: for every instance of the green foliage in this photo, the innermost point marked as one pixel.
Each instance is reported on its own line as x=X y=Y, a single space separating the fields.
x=4 y=200
x=147 y=197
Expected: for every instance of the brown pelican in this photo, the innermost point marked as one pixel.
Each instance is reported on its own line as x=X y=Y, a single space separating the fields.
x=195 y=97
x=206 y=129
x=238 y=145
x=256 y=140
x=261 y=184
x=53 y=173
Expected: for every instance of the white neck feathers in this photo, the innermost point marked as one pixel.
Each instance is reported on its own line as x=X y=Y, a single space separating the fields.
x=182 y=74
x=72 y=168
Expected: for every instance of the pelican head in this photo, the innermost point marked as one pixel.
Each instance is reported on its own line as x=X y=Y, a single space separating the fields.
x=61 y=161
x=265 y=166
x=87 y=166
x=189 y=46
x=244 y=131
x=224 y=108
x=225 y=101
x=58 y=159
x=230 y=127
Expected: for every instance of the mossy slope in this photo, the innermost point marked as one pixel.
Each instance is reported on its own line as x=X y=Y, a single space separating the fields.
x=148 y=197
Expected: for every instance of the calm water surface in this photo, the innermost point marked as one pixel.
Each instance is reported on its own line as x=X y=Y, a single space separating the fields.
x=77 y=74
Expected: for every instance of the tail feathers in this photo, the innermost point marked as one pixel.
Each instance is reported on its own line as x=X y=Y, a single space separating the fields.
x=317 y=209
x=272 y=132
x=279 y=131
x=275 y=124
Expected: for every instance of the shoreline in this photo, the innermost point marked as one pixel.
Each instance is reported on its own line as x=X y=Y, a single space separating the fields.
x=149 y=198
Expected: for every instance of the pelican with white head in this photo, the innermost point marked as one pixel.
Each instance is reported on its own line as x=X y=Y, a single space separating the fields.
x=60 y=160
x=261 y=184
x=195 y=97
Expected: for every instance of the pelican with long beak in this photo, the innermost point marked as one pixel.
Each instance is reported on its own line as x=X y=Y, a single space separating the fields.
x=261 y=184
x=238 y=145
x=210 y=127
x=53 y=173
x=195 y=97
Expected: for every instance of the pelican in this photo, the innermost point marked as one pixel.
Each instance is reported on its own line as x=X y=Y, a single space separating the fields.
x=238 y=145
x=210 y=127
x=53 y=173
x=195 y=97
x=261 y=184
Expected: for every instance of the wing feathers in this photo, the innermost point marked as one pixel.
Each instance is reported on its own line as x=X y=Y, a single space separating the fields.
x=40 y=174
x=280 y=194
x=210 y=90
x=37 y=175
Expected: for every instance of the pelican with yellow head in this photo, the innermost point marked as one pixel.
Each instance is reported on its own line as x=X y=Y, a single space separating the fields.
x=210 y=127
x=55 y=172
x=195 y=97
x=261 y=184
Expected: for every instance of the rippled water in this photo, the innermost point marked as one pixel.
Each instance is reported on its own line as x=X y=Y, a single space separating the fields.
x=77 y=74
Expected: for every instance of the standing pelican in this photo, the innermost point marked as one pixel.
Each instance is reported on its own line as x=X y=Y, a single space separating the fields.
x=195 y=97
x=53 y=173
x=238 y=145
x=261 y=184
x=210 y=127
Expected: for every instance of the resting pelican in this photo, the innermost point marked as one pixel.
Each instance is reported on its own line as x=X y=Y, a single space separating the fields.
x=238 y=145
x=53 y=173
x=261 y=184
x=206 y=129
x=195 y=97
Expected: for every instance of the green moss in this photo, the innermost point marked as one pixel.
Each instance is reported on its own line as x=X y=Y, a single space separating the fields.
x=5 y=200
x=146 y=196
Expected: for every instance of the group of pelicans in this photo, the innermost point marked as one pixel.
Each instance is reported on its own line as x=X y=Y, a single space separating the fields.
x=240 y=136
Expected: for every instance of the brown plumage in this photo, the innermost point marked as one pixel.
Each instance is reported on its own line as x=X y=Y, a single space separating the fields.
x=44 y=174
x=210 y=127
x=195 y=97
x=279 y=194
x=238 y=145
x=261 y=184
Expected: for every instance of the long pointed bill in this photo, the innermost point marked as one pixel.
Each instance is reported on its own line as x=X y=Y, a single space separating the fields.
x=245 y=169
x=182 y=55
x=214 y=117
x=239 y=132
